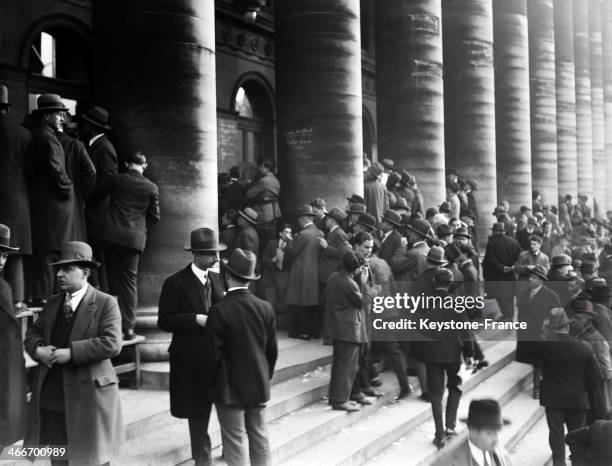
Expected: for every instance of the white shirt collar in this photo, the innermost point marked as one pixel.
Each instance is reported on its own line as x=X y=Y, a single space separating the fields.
x=77 y=297
x=309 y=223
x=417 y=243
x=95 y=138
x=477 y=454
x=237 y=288
x=386 y=235
x=201 y=274
x=333 y=228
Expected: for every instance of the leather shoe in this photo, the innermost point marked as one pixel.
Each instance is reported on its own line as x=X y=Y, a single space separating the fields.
x=536 y=393
x=439 y=442
x=129 y=334
x=361 y=399
x=405 y=392
x=371 y=392
x=450 y=432
x=346 y=406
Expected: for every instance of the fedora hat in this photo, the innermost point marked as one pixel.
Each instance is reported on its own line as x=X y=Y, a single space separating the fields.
x=249 y=215
x=539 y=271
x=204 y=239
x=76 y=252
x=557 y=319
x=531 y=220
x=305 y=210
x=407 y=178
x=580 y=306
x=462 y=232
x=49 y=103
x=561 y=260
x=485 y=414
x=242 y=264
x=443 y=230
x=452 y=252
x=4 y=96
x=97 y=116
x=388 y=164
x=401 y=203
x=368 y=221
x=393 y=217
x=337 y=215
x=355 y=199
x=357 y=208
x=420 y=226
x=499 y=226
x=436 y=255
x=5 y=239
x=500 y=209
x=394 y=179
x=444 y=208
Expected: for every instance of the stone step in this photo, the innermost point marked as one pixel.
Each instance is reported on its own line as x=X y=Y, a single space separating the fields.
x=295 y=357
x=368 y=436
x=533 y=449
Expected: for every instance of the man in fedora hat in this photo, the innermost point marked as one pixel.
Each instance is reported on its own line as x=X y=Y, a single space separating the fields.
x=13 y=385
x=355 y=210
x=303 y=290
x=365 y=224
x=481 y=447
x=243 y=328
x=184 y=305
x=248 y=237
x=391 y=240
x=15 y=147
x=133 y=201
x=569 y=372
x=75 y=398
x=409 y=262
x=333 y=246
x=51 y=194
x=500 y=256
x=528 y=260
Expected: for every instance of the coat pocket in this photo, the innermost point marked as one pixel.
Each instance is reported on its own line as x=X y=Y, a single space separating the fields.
x=105 y=380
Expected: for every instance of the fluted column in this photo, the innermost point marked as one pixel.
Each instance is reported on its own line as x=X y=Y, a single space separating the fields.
x=319 y=103
x=567 y=157
x=410 y=103
x=512 y=102
x=156 y=74
x=543 y=99
x=469 y=98
x=606 y=32
x=584 y=130
x=597 y=103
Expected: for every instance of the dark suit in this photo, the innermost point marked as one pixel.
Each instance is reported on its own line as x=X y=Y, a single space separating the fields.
x=191 y=352
x=462 y=456
x=570 y=370
x=389 y=246
x=331 y=257
x=591 y=446
x=248 y=239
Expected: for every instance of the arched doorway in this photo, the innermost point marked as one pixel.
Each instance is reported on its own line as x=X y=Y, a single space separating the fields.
x=369 y=136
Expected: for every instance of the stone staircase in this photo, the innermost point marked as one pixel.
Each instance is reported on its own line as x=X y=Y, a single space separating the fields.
x=304 y=430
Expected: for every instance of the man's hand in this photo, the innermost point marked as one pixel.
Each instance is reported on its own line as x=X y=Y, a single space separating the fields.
x=323 y=243
x=201 y=319
x=62 y=356
x=469 y=362
x=45 y=354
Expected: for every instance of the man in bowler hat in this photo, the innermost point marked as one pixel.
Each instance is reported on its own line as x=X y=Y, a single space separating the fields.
x=184 y=304
x=243 y=328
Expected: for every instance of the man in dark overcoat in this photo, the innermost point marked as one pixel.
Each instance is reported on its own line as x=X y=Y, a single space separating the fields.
x=13 y=385
x=391 y=240
x=134 y=201
x=51 y=194
x=333 y=246
x=75 y=395
x=501 y=254
x=243 y=328
x=184 y=304
x=15 y=146
x=262 y=195
x=248 y=238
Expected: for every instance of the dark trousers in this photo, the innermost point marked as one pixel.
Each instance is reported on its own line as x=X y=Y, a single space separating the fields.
x=395 y=357
x=506 y=306
x=435 y=385
x=200 y=440
x=43 y=273
x=53 y=431
x=122 y=270
x=306 y=320
x=14 y=275
x=344 y=368
x=557 y=418
x=365 y=371
x=99 y=277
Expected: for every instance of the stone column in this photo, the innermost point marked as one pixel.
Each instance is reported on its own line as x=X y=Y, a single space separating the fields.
x=597 y=103
x=606 y=14
x=584 y=130
x=469 y=98
x=410 y=103
x=319 y=104
x=543 y=99
x=567 y=162
x=156 y=74
x=512 y=102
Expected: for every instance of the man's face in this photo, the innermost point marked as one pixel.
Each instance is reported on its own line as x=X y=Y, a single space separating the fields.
x=286 y=234
x=3 y=258
x=55 y=119
x=354 y=217
x=204 y=260
x=385 y=226
x=534 y=246
x=564 y=270
x=359 y=228
x=71 y=277
x=455 y=225
x=365 y=248
x=534 y=282
x=485 y=439
x=460 y=240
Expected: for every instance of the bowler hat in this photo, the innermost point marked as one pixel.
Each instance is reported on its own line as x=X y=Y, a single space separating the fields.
x=97 y=116
x=337 y=215
x=355 y=199
x=49 y=103
x=203 y=240
x=76 y=252
x=485 y=414
x=539 y=271
x=304 y=211
x=557 y=319
x=401 y=203
x=436 y=255
x=500 y=209
x=393 y=179
x=420 y=226
x=242 y=264
x=443 y=230
x=249 y=214
x=4 y=96
x=5 y=239
x=368 y=221
x=561 y=260
x=358 y=208
x=499 y=226
x=393 y=217
x=388 y=163
x=462 y=232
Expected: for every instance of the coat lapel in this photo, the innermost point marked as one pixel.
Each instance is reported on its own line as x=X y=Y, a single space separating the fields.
x=52 y=308
x=190 y=284
x=85 y=312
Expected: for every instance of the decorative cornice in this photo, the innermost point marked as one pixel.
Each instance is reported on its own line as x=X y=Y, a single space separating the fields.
x=368 y=85
x=243 y=40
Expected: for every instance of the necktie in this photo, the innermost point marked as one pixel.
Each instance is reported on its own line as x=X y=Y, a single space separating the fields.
x=68 y=312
